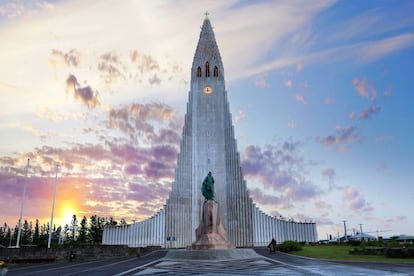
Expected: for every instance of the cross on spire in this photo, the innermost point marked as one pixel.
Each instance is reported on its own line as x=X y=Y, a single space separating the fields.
x=207 y=14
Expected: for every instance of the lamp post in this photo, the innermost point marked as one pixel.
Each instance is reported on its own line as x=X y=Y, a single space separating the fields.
x=22 y=207
x=53 y=208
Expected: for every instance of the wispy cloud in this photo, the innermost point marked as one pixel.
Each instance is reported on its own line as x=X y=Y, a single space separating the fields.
x=17 y=8
x=300 y=98
x=331 y=174
x=369 y=111
x=280 y=168
x=288 y=83
x=365 y=89
x=140 y=155
x=85 y=94
x=261 y=81
x=241 y=115
x=70 y=58
x=111 y=68
x=354 y=200
x=343 y=135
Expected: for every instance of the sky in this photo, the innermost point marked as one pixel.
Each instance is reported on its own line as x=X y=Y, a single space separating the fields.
x=320 y=92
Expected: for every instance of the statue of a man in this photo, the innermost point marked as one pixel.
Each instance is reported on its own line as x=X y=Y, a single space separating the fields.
x=207 y=189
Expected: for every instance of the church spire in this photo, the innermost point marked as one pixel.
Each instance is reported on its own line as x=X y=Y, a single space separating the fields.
x=207 y=52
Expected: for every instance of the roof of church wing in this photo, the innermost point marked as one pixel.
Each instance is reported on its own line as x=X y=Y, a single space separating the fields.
x=207 y=49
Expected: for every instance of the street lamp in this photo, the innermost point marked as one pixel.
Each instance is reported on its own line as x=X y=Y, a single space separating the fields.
x=53 y=208
x=22 y=207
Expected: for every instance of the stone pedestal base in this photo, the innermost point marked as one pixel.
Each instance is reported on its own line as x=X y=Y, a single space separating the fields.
x=210 y=234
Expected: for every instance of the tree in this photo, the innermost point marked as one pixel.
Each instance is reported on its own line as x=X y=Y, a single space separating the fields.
x=36 y=233
x=96 y=228
x=83 y=231
x=5 y=234
x=26 y=233
x=111 y=221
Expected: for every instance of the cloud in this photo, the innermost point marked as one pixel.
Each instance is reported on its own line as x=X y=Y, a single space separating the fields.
x=111 y=68
x=365 y=89
x=144 y=63
x=323 y=205
x=380 y=48
x=154 y=80
x=153 y=122
x=261 y=81
x=330 y=173
x=281 y=169
x=71 y=58
x=17 y=8
x=359 y=52
x=241 y=115
x=299 y=67
x=288 y=83
x=343 y=135
x=85 y=94
x=369 y=111
x=354 y=201
x=136 y=151
x=268 y=199
x=301 y=98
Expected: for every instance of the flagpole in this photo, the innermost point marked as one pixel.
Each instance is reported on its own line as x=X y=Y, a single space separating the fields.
x=53 y=209
x=22 y=207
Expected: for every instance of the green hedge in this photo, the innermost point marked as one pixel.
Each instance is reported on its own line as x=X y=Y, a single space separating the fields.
x=289 y=246
x=399 y=252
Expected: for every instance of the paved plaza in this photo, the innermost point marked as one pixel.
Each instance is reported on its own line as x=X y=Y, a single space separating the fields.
x=214 y=262
x=248 y=262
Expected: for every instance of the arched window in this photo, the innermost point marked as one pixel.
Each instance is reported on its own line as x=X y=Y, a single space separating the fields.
x=207 y=69
x=199 y=72
x=215 y=71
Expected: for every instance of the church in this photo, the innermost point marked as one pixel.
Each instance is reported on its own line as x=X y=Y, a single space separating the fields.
x=208 y=144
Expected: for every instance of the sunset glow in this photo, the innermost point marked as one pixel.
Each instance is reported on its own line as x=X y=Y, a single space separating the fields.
x=320 y=95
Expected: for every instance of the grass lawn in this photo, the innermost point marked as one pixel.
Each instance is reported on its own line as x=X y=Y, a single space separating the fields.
x=341 y=252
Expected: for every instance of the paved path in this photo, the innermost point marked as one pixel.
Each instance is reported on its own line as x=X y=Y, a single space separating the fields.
x=237 y=262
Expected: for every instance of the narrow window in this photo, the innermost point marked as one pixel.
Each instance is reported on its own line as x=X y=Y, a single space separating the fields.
x=199 y=72
x=215 y=71
x=207 y=69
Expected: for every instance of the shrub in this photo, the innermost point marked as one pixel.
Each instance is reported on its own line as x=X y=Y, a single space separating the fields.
x=354 y=242
x=289 y=246
x=399 y=252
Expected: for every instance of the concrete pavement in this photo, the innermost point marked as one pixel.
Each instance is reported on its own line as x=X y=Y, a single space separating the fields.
x=215 y=262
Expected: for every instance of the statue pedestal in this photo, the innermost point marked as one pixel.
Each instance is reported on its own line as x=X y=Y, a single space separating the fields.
x=210 y=234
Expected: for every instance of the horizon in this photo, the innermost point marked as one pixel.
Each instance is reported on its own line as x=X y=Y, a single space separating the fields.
x=319 y=95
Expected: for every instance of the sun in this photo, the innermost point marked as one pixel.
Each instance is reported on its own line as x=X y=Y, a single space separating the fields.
x=65 y=214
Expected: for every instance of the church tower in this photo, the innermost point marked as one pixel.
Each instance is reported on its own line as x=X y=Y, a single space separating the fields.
x=208 y=145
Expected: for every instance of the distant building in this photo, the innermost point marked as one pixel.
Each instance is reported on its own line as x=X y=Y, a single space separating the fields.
x=405 y=239
x=208 y=145
x=363 y=237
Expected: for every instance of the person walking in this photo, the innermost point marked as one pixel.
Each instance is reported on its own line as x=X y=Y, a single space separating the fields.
x=272 y=246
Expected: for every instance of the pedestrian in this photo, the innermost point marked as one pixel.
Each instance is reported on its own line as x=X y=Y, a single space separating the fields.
x=272 y=246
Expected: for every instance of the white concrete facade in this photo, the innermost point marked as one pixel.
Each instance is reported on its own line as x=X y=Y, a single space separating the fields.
x=208 y=144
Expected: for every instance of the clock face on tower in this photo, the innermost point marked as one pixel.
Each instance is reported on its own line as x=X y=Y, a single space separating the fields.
x=208 y=90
